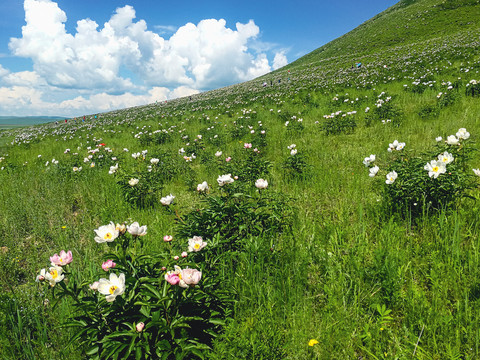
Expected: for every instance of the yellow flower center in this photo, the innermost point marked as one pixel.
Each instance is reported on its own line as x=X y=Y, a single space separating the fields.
x=54 y=274
x=435 y=169
x=61 y=260
x=107 y=236
x=179 y=276
x=197 y=246
x=112 y=289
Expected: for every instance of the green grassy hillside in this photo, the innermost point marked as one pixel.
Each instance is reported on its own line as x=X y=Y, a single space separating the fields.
x=362 y=244
x=406 y=23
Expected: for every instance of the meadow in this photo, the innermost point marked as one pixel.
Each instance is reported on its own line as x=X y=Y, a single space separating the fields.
x=323 y=211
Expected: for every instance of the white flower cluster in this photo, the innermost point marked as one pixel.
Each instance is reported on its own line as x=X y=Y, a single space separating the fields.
x=439 y=166
x=396 y=146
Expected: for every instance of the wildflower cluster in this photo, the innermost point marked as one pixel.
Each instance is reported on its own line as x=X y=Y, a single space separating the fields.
x=429 y=182
x=128 y=306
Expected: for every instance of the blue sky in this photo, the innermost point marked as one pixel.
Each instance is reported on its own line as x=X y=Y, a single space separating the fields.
x=70 y=58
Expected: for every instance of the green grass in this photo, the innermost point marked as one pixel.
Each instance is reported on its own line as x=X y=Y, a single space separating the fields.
x=364 y=281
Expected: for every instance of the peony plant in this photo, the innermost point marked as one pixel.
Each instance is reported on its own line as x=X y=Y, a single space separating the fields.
x=140 y=310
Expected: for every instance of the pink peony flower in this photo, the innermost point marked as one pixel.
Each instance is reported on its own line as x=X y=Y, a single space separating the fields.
x=62 y=259
x=139 y=327
x=184 y=254
x=107 y=265
x=190 y=277
x=172 y=278
x=168 y=238
x=228 y=159
x=247 y=145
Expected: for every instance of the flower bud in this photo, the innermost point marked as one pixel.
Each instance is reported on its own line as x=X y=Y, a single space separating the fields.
x=140 y=327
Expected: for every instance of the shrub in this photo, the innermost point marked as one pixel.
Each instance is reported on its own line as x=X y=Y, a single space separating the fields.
x=429 y=111
x=249 y=165
x=447 y=98
x=432 y=181
x=295 y=165
x=141 y=311
x=229 y=217
x=141 y=188
x=339 y=124
x=157 y=137
x=473 y=88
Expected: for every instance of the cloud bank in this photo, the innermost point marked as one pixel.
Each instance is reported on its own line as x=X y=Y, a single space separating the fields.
x=91 y=64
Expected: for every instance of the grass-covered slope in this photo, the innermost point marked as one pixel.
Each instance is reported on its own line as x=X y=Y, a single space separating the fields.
x=364 y=244
x=409 y=22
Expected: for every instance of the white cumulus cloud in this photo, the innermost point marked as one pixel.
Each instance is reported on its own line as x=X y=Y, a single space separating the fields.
x=201 y=56
x=87 y=69
x=280 y=60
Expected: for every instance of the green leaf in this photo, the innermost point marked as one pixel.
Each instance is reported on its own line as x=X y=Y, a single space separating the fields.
x=217 y=321
x=93 y=350
x=144 y=310
x=153 y=290
x=138 y=353
x=198 y=352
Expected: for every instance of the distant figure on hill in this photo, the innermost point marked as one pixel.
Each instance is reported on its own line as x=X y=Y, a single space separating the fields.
x=65 y=121
x=359 y=65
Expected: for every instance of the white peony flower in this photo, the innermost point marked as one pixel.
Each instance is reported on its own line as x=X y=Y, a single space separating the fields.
x=373 y=171
x=462 y=133
x=106 y=233
x=435 y=168
x=225 y=179
x=113 y=287
x=261 y=184
x=167 y=200
x=396 y=145
x=54 y=275
x=452 y=140
x=136 y=230
x=368 y=160
x=113 y=169
x=391 y=177
x=446 y=157
x=202 y=187
x=196 y=244
x=133 y=182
